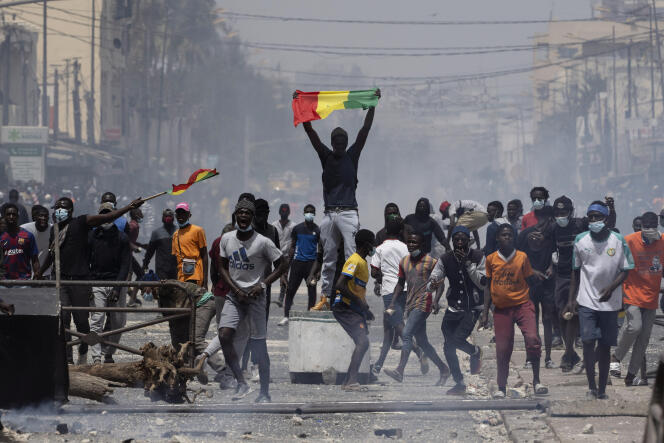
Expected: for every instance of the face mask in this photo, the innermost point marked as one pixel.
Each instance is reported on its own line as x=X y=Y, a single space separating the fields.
x=596 y=226
x=182 y=225
x=562 y=221
x=139 y=220
x=168 y=220
x=107 y=226
x=651 y=234
x=538 y=204
x=308 y=216
x=61 y=214
x=247 y=229
x=372 y=252
x=392 y=216
x=415 y=253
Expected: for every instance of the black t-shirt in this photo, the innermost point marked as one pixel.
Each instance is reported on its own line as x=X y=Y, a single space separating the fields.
x=541 y=259
x=564 y=243
x=426 y=228
x=340 y=177
x=75 y=251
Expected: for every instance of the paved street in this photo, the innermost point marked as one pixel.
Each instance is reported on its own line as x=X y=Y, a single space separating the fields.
x=420 y=426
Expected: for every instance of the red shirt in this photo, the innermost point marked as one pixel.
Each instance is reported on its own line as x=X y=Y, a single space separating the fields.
x=528 y=220
x=221 y=288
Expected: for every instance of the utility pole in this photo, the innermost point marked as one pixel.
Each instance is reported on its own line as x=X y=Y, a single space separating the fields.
x=24 y=88
x=56 y=105
x=652 y=70
x=615 y=108
x=5 y=86
x=67 y=95
x=44 y=72
x=659 y=51
x=91 y=102
x=161 y=85
x=76 y=100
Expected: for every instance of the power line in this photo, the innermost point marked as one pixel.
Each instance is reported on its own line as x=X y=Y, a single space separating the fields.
x=240 y=15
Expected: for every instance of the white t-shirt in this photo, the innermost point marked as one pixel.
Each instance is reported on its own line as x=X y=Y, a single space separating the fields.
x=284 y=235
x=387 y=258
x=600 y=263
x=247 y=260
x=41 y=238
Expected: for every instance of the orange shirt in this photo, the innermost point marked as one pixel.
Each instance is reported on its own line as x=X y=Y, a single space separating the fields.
x=187 y=243
x=508 y=278
x=641 y=287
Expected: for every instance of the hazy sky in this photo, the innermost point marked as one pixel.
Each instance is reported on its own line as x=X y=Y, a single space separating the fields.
x=399 y=35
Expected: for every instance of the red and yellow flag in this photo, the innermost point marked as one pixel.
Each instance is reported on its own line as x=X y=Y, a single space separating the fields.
x=308 y=106
x=200 y=175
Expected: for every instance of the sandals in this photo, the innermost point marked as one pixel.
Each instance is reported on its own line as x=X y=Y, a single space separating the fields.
x=540 y=389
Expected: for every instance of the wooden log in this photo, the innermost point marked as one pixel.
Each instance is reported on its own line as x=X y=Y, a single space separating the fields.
x=90 y=387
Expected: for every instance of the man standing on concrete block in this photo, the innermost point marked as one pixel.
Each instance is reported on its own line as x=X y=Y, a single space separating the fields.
x=244 y=257
x=350 y=307
x=341 y=220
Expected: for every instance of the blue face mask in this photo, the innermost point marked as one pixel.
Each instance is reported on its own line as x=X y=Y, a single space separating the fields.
x=372 y=252
x=309 y=216
x=562 y=221
x=247 y=229
x=61 y=214
x=182 y=225
x=596 y=226
x=538 y=204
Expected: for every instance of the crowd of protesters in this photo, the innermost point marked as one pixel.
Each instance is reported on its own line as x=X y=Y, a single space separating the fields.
x=578 y=275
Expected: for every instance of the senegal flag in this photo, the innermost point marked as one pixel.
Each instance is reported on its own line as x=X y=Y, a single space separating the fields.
x=308 y=106
x=198 y=176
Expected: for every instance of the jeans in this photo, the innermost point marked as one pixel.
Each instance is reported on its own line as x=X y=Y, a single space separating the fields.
x=636 y=332
x=204 y=315
x=456 y=328
x=503 y=322
x=335 y=227
x=116 y=320
x=416 y=326
x=299 y=271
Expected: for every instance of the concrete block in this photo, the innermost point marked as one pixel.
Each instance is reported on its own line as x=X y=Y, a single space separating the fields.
x=318 y=344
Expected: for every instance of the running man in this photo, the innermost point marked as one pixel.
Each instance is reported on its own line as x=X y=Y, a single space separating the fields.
x=601 y=261
x=340 y=167
x=465 y=272
x=414 y=271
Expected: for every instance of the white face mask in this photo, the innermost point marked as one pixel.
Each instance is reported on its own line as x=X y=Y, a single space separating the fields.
x=309 y=216
x=562 y=221
x=651 y=234
x=415 y=253
x=538 y=204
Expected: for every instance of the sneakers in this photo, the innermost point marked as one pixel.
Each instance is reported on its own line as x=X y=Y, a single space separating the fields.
x=283 y=322
x=540 y=389
x=82 y=359
x=443 y=378
x=322 y=305
x=396 y=343
x=557 y=343
x=614 y=369
x=578 y=343
x=108 y=358
x=602 y=396
x=566 y=365
x=498 y=395
x=96 y=361
x=395 y=374
x=549 y=364
x=591 y=395
x=528 y=365
x=241 y=391
x=579 y=368
x=263 y=398
x=424 y=364
x=638 y=381
x=457 y=389
x=476 y=361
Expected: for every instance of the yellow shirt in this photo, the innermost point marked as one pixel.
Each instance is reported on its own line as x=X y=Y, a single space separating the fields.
x=187 y=243
x=357 y=270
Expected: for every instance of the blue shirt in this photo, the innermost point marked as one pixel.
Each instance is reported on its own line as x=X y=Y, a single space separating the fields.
x=305 y=240
x=121 y=223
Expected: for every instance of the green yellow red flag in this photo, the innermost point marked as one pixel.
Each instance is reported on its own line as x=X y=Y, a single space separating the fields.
x=308 y=106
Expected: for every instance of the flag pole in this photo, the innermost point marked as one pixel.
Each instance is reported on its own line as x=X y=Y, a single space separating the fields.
x=155 y=196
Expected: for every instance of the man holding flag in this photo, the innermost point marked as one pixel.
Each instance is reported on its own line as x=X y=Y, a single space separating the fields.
x=341 y=220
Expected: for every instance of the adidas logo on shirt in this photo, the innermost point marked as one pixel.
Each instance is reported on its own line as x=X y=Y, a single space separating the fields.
x=240 y=260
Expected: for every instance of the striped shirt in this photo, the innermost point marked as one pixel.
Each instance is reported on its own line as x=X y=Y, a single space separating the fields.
x=416 y=274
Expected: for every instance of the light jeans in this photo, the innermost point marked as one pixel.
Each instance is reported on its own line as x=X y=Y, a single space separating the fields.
x=204 y=315
x=636 y=331
x=335 y=227
x=116 y=320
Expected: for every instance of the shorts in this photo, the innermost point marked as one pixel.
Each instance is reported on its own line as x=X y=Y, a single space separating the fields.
x=353 y=323
x=561 y=294
x=599 y=325
x=543 y=294
x=234 y=313
x=397 y=318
